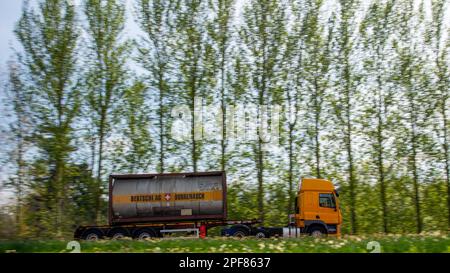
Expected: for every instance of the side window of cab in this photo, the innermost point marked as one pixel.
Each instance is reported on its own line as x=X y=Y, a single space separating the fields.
x=326 y=200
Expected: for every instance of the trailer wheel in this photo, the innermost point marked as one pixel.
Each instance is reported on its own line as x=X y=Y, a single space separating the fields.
x=144 y=234
x=260 y=235
x=92 y=234
x=317 y=231
x=118 y=233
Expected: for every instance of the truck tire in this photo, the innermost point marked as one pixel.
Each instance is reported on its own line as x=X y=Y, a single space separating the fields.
x=317 y=231
x=260 y=235
x=145 y=233
x=240 y=233
x=118 y=233
x=92 y=234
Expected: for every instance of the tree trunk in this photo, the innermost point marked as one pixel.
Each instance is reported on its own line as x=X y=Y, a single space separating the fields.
x=21 y=172
x=223 y=107
x=345 y=74
x=161 y=125
x=59 y=165
x=259 y=152
x=59 y=197
x=351 y=169
x=99 y=167
x=381 y=174
x=93 y=147
x=414 y=169
x=447 y=160
x=380 y=154
x=316 y=128
x=260 y=181
x=291 y=204
x=194 y=143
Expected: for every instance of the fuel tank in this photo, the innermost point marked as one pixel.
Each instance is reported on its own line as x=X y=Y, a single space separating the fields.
x=140 y=198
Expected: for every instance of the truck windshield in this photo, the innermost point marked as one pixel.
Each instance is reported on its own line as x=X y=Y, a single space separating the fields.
x=326 y=200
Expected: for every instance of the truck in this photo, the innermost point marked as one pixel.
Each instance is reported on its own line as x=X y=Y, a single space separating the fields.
x=143 y=206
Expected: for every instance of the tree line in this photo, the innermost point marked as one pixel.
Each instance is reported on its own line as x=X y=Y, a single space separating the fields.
x=363 y=88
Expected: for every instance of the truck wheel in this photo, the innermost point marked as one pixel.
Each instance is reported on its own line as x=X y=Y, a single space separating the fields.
x=92 y=234
x=144 y=234
x=317 y=231
x=240 y=233
x=118 y=233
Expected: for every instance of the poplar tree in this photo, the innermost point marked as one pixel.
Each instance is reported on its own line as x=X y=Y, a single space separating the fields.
x=293 y=93
x=156 y=18
x=375 y=32
x=195 y=75
x=317 y=65
x=49 y=38
x=344 y=102
x=263 y=35
x=412 y=81
x=107 y=73
x=221 y=33
x=440 y=49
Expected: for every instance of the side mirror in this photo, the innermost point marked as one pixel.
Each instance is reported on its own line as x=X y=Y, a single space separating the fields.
x=336 y=192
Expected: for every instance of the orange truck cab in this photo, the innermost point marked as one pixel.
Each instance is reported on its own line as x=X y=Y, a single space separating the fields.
x=317 y=213
x=317 y=209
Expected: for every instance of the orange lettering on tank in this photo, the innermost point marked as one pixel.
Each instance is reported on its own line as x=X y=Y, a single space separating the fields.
x=162 y=197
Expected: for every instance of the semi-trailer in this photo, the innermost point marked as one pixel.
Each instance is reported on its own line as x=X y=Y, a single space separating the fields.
x=151 y=205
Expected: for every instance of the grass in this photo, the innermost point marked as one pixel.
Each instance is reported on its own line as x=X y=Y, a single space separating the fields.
x=349 y=244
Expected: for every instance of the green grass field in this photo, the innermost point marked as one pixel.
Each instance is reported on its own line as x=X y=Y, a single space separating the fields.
x=352 y=244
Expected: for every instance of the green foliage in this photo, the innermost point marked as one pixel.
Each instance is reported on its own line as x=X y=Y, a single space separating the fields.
x=157 y=20
x=49 y=40
x=241 y=202
x=351 y=244
x=137 y=149
x=106 y=77
x=263 y=37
